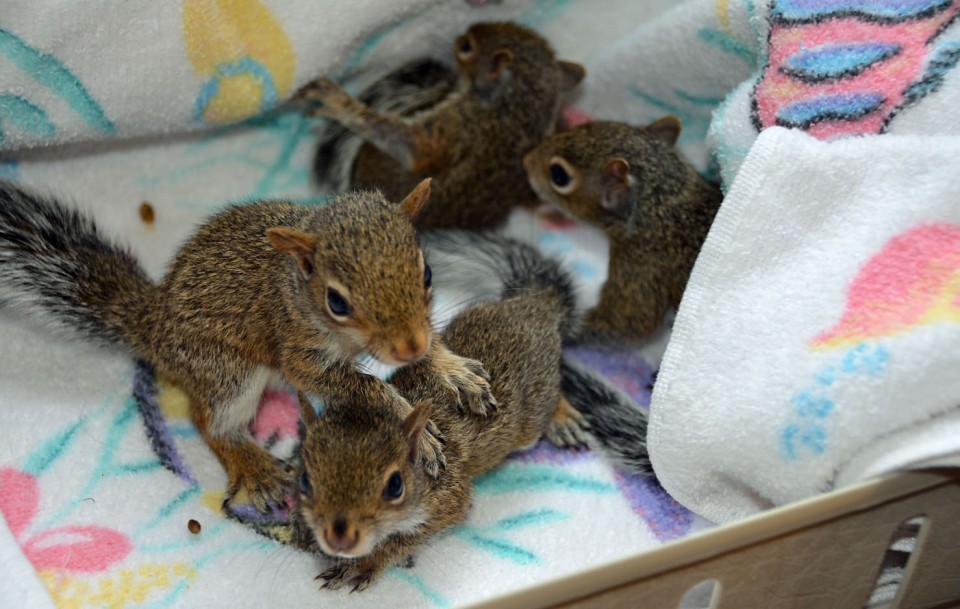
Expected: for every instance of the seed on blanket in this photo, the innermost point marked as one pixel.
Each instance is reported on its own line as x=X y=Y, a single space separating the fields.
x=146 y=212
x=194 y=526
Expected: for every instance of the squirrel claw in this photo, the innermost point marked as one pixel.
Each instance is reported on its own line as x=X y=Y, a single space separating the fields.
x=347 y=573
x=264 y=487
x=431 y=448
x=471 y=381
x=323 y=91
x=568 y=428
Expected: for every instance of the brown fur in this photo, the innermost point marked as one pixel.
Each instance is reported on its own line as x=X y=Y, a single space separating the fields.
x=246 y=299
x=349 y=462
x=471 y=143
x=654 y=207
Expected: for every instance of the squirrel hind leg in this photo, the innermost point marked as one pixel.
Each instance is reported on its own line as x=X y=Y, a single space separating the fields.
x=253 y=475
x=567 y=427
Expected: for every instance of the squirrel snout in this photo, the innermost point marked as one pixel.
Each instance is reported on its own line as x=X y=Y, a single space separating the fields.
x=411 y=349
x=341 y=536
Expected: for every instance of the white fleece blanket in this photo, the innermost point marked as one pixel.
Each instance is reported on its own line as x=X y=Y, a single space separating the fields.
x=100 y=469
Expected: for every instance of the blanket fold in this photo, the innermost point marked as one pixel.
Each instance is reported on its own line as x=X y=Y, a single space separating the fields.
x=817 y=340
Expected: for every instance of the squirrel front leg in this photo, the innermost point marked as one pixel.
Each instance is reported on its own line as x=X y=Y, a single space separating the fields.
x=633 y=301
x=442 y=371
x=361 y=572
x=342 y=382
x=409 y=144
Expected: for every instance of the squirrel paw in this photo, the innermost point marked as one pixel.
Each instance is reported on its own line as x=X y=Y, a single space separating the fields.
x=568 y=428
x=328 y=94
x=431 y=448
x=264 y=485
x=359 y=573
x=467 y=378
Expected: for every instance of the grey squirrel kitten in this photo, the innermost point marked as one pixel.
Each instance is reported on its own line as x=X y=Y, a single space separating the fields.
x=364 y=498
x=486 y=264
x=469 y=137
x=260 y=292
x=653 y=205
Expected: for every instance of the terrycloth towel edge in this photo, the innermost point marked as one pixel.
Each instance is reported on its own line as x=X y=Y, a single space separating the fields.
x=748 y=181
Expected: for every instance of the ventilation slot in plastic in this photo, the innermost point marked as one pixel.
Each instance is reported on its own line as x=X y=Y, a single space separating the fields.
x=894 y=572
x=704 y=595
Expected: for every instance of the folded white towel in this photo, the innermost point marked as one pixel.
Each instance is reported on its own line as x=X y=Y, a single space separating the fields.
x=818 y=341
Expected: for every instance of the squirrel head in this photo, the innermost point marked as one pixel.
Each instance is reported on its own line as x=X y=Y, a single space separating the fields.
x=491 y=55
x=361 y=276
x=603 y=172
x=361 y=479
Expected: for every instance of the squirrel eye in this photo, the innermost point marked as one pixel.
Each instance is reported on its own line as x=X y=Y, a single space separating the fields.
x=464 y=47
x=561 y=176
x=337 y=304
x=427 y=277
x=394 y=488
x=305 y=487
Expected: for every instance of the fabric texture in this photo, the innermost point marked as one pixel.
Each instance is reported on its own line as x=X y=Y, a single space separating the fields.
x=100 y=469
x=816 y=344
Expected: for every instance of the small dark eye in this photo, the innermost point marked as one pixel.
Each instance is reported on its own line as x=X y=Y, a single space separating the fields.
x=559 y=175
x=305 y=487
x=337 y=303
x=394 y=488
x=464 y=45
x=427 y=277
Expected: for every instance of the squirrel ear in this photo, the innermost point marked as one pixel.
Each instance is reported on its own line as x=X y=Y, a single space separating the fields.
x=666 y=129
x=308 y=414
x=414 y=202
x=300 y=246
x=570 y=74
x=502 y=59
x=615 y=181
x=414 y=425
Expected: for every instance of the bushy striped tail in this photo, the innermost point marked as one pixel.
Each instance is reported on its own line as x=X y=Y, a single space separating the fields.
x=491 y=267
x=54 y=262
x=616 y=422
x=413 y=87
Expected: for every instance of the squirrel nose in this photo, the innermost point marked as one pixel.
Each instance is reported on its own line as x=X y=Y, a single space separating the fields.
x=411 y=349
x=340 y=536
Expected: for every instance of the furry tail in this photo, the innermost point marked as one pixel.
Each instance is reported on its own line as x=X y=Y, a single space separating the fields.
x=410 y=88
x=493 y=267
x=617 y=423
x=53 y=260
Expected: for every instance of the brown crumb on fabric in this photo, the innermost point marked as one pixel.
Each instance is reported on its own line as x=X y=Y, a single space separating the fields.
x=146 y=213
x=194 y=526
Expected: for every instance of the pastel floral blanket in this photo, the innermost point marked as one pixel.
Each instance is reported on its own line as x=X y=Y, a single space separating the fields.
x=151 y=116
x=108 y=496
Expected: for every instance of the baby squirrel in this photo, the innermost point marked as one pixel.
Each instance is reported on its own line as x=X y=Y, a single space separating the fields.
x=480 y=267
x=471 y=139
x=260 y=291
x=364 y=498
x=654 y=207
